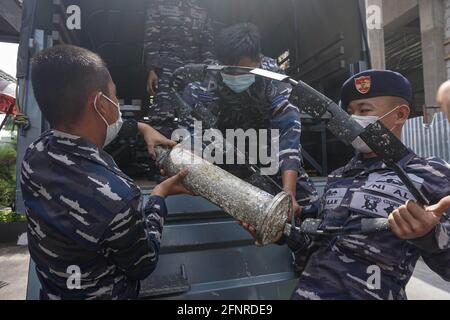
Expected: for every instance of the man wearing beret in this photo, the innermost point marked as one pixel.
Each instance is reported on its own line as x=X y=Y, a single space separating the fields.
x=378 y=266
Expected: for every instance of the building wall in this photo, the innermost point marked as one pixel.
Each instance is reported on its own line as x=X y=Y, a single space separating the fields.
x=398 y=12
x=434 y=29
x=447 y=36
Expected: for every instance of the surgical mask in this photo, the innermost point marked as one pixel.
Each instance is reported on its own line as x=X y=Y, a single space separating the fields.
x=365 y=121
x=238 y=83
x=112 y=130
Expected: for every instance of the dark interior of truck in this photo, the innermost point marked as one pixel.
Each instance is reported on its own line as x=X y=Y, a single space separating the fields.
x=115 y=30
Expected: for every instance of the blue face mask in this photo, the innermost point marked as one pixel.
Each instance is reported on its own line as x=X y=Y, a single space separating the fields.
x=238 y=83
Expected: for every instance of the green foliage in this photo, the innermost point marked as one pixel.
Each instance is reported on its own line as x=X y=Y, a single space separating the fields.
x=7 y=215
x=7 y=175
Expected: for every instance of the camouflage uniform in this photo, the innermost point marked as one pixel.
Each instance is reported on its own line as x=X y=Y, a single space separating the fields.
x=177 y=33
x=342 y=266
x=264 y=105
x=83 y=211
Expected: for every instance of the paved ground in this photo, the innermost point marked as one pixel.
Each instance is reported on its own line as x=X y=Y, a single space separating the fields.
x=14 y=260
x=426 y=285
x=13 y=270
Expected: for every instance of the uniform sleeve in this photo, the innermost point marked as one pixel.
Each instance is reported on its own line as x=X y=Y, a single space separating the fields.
x=207 y=44
x=129 y=129
x=152 y=37
x=190 y=99
x=132 y=240
x=204 y=106
x=439 y=263
x=435 y=247
x=286 y=118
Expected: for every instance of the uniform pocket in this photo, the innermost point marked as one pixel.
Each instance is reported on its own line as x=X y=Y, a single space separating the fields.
x=383 y=250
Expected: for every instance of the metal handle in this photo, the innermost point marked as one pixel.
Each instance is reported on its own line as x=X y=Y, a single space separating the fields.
x=313 y=227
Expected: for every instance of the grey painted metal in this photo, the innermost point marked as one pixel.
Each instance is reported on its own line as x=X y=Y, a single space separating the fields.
x=219 y=257
x=30 y=108
x=10 y=13
x=431 y=140
x=238 y=198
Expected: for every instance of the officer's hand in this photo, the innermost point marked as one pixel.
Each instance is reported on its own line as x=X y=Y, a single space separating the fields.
x=152 y=83
x=172 y=186
x=411 y=221
x=296 y=209
x=153 y=138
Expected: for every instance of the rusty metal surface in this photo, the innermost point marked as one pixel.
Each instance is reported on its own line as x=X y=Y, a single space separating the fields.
x=384 y=143
x=268 y=214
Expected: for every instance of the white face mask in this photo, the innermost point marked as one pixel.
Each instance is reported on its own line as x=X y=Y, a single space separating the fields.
x=365 y=121
x=112 y=130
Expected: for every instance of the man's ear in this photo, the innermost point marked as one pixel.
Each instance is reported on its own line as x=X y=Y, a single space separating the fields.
x=94 y=100
x=402 y=113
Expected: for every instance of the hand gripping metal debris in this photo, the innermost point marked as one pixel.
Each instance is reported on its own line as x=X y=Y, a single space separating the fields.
x=267 y=213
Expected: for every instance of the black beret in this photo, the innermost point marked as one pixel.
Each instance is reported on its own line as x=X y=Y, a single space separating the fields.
x=376 y=83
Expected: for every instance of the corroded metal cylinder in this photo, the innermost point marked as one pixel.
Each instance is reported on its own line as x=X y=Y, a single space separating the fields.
x=267 y=213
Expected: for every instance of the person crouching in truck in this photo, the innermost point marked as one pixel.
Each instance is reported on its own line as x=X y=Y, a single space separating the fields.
x=245 y=102
x=87 y=232
x=377 y=266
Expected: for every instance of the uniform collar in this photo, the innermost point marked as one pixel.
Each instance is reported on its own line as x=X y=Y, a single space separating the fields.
x=81 y=147
x=359 y=163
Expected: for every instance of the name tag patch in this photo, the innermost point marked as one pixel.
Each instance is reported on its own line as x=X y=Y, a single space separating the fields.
x=334 y=197
x=400 y=193
x=373 y=205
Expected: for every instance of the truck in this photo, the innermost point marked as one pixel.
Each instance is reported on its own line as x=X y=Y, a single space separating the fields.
x=204 y=253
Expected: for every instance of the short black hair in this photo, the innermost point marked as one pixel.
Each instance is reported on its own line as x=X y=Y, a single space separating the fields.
x=63 y=78
x=237 y=42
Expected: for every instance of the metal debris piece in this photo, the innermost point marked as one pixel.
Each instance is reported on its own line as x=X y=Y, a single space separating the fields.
x=268 y=214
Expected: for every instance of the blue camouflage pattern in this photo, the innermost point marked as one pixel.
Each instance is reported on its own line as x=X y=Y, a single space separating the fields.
x=341 y=266
x=83 y=211
x=177 y=33
x=265 y=105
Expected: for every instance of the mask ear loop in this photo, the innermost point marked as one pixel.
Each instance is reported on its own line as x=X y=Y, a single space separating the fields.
x=116 y=104
x=387 y=114
x=106 y=97
x=390 y=112
x=96 y=109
